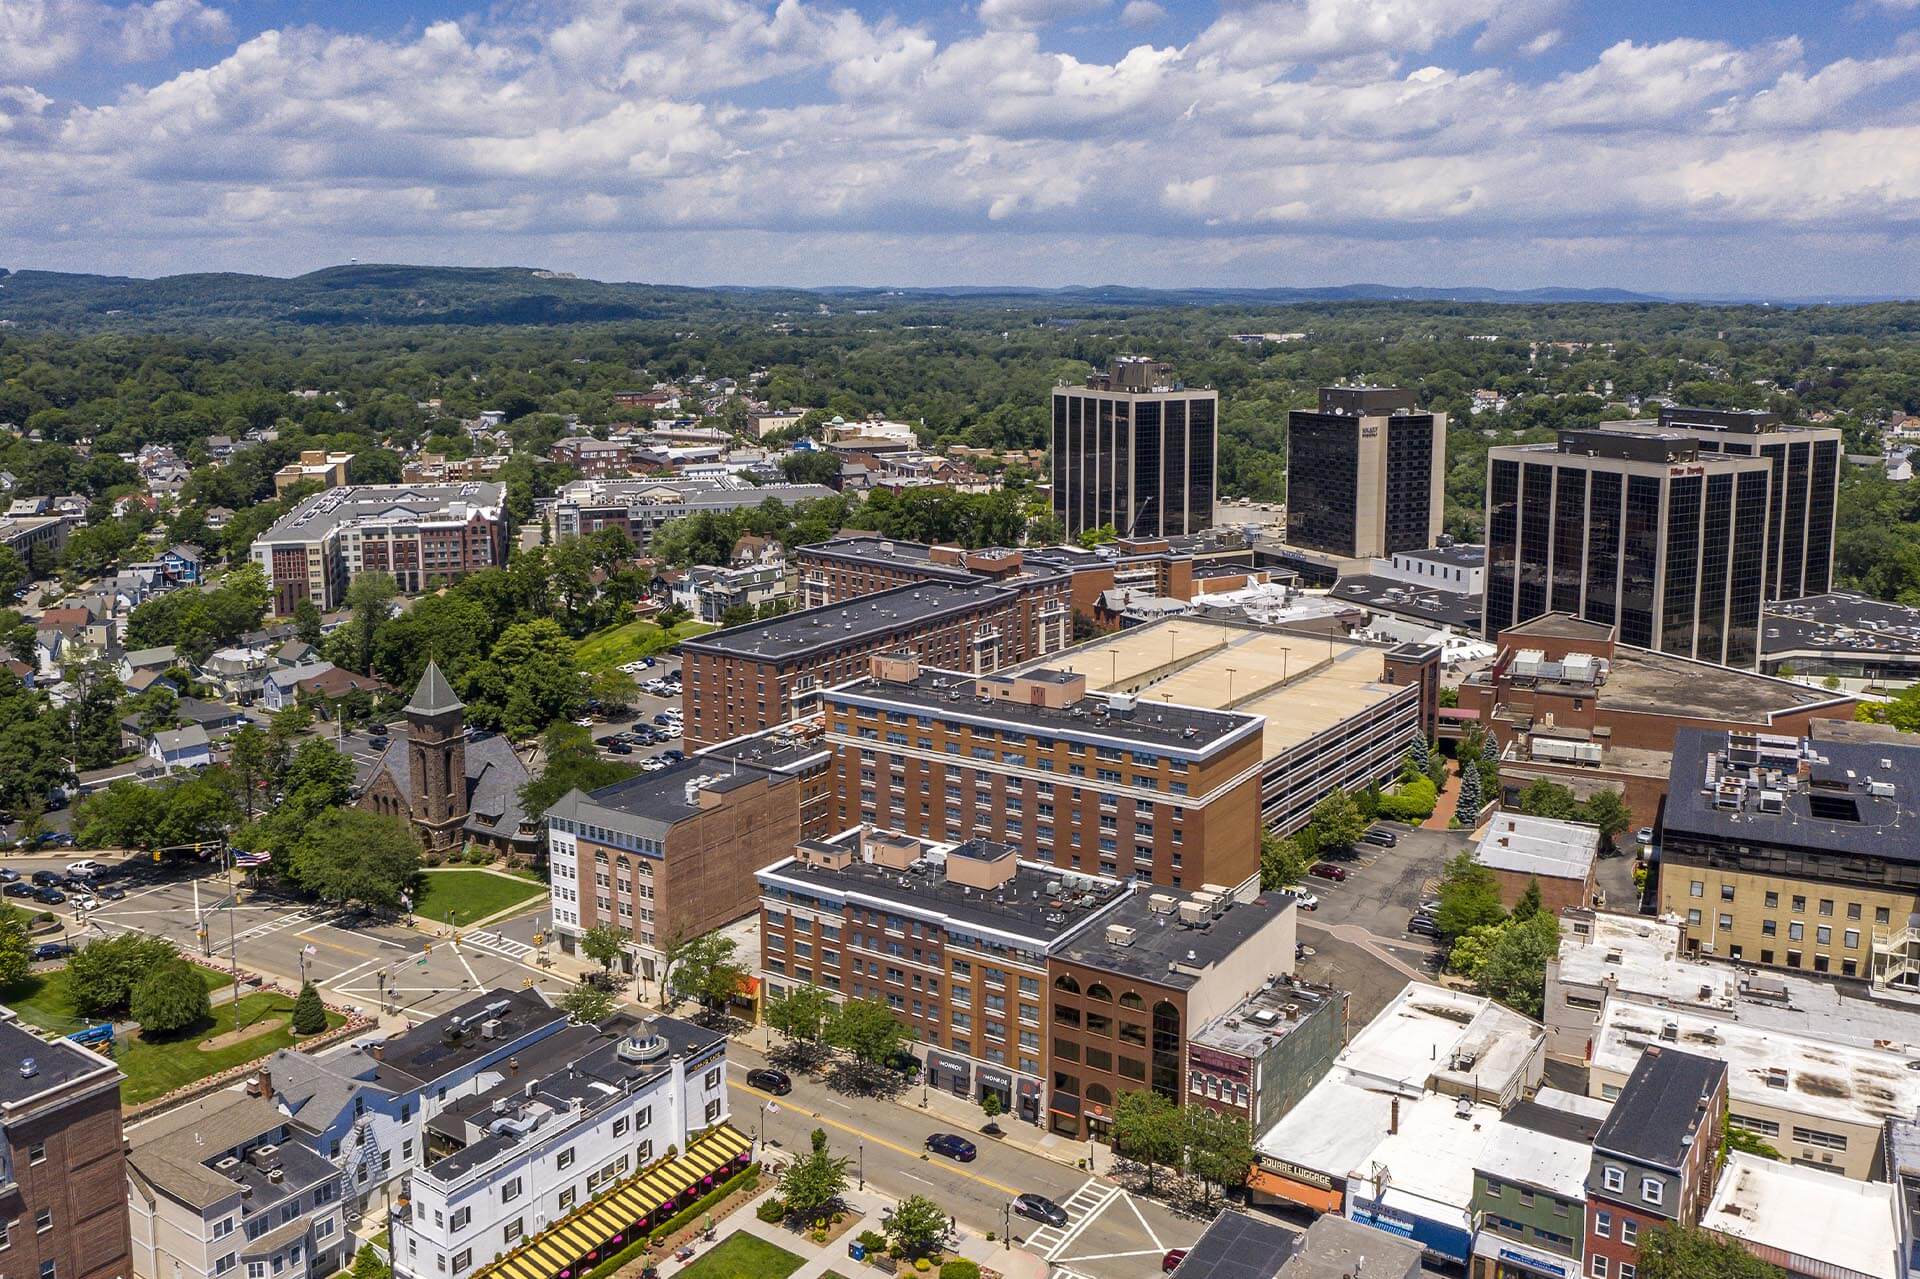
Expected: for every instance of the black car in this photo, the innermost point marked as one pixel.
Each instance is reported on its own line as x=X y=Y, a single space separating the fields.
x=774 y=1081
x=109 y=892
x=952 y=1146
x=619 y=748
x=673 y=757
x=48 y=878
x=1423 y=926
x=52 y=950
x=50 y=896
x=1040 y=1208
x=18 y=889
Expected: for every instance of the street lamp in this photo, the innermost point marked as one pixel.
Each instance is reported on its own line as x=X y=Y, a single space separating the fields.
x=766 y=1108
x=1006 y=1223
x=862 y=1148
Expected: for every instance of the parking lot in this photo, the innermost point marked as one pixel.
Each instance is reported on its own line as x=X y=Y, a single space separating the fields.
x=636 y=727
x=360 y=960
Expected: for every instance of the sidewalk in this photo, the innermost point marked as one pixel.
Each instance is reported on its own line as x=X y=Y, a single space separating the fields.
x=820 y=1259
x=946 y=1111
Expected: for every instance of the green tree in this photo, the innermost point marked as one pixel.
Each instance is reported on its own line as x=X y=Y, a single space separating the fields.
x=709 y=972
x=1676 y=1251
x=801 y=1015
x=1545 y=798
x=1282 y=861
x=1149 y=1128
x=1093 y=537
x=811 y=468
x=528 y=681
x=570 y=763
x=866 y=1030
x=13 y=572
x=101 y=975
x=589 y=1004
x=604 y=944
x=1514 y=970
x=1608 y=810
x=1529 y=904
x=990 y=1105
x=1469 y=897
x=1336 y=822
x=170 y=998
x=1469 y=803
x=1219 y=1147
x=352 y=855
x=309 y=1014
x=814 y=1183
x=370 y=598
x=16 y=948
x=918 y=1226
x=307 y=622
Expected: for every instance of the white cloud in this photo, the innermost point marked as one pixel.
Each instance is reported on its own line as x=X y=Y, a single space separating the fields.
x=1026 y=15
x=39 y=36
x=1347 y=136
x=1142 y=13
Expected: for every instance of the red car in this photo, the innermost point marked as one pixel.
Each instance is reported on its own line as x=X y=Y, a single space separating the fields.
x=1327 y=870
x=1171 y=1262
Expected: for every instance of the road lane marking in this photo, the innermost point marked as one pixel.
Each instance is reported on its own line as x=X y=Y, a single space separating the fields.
x=875 y=1138
x=1151 y=1233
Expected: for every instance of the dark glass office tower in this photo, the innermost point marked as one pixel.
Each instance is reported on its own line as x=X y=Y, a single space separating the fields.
x=1364 y=473
x=1135 y=449
x=1805 y=463
x=1636 y=529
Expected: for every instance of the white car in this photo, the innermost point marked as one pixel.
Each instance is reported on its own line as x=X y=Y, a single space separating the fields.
x=1644 y=835
x=1302 y=897
x=85 y=868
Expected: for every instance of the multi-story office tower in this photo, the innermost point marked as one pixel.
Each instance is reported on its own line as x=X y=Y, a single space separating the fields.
x=1364 y=473
x=1140 y=788
x=1635 y=529
x=1135 y=449
x=1806 y=488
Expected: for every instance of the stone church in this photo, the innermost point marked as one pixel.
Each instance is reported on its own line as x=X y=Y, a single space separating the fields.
x=455 y=787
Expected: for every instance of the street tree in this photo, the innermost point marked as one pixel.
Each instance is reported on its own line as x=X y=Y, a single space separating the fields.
x=101 y=975
x=709 y=972
x=309 y=1014
x=604 y=944
x=588 y=1004
x=1608 y=810
x=1336 y=822
x=352 y=855
x=16 y=948
x=1282 y=860
x=918 y=1226
x=814 y=1183
x=801 y=1015
x=1149 y=1128
x=1219 y=1147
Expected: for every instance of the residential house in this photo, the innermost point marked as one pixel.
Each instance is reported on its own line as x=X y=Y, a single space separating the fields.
x=1654 y=1158
x=177 y=749
x=155 y=660
x=279 y=688
x=183 y=564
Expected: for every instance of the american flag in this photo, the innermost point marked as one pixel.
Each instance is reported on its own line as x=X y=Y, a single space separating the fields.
x=252 y=859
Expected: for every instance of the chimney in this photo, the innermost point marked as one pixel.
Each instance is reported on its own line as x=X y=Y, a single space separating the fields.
x=513 y=1066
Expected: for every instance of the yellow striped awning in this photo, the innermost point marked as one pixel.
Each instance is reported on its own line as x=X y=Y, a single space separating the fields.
x=613 y=1219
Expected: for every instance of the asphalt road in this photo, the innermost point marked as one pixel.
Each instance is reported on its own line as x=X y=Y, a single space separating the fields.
x=1110 y=1234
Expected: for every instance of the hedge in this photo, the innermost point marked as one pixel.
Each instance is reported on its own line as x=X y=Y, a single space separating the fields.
x=1412 y=802
x=638 y=1247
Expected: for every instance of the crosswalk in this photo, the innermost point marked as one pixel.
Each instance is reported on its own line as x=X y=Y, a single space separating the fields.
x=500 y=944
x=1082 y=1206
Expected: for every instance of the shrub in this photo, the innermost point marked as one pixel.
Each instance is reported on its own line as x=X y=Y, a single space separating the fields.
x=170 y=998
x=960 y=1268
x=872 y=1241
x=817 y=1235
x=921 y=1265
x=1412 y=802
x=309 y=1014
x=773 y=1211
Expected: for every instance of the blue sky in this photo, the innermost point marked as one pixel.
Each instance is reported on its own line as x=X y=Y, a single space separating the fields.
x=1763 y=147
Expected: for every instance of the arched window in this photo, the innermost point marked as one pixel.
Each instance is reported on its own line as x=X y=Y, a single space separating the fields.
x=1067 y=984
x=1132 y=1000
x=1100 y=992
x=1097 y=1095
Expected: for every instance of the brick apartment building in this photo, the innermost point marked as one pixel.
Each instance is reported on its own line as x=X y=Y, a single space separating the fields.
x=423 y=535
x=594 y=458
x=750 y=677
x=1655 y=1157
x=63 y=1188
x=673 y=853
x=1565 y=700
x=1103 y=784
x=639 y=506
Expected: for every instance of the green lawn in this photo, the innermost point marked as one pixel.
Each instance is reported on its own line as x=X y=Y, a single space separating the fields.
x=154 y=1067
x=743 y=1256
x=629 y=642
x=471 y=894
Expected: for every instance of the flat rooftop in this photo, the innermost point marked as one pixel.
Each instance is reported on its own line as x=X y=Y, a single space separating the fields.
x=1237 y=1245
x=1839 y=622
x=650 y=803
x=1806 y=1212
x=1661 y=684
x=1429 y=1031
x=1844 y=1082
x=1460 y=554
x=1173 y=727
x=429 y=1051
x=1040 y=901
x=1265 y=1017
x=1408 y=599
x=1165 y=951
x=857 y=621
x=1303 y=684
x=1539 y=846
x=1642 y=958
x=1441 y=1141
x=354 y=504
x=1846 y=797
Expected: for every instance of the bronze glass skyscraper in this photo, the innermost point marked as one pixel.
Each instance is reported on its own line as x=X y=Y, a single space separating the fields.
x=1135 y=449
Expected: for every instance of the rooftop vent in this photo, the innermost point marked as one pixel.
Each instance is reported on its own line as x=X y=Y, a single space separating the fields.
x=29 y=1068
x=645 y=1044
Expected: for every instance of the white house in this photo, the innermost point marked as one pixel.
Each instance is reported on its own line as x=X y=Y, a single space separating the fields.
x=181 y=748
x=564 y=1133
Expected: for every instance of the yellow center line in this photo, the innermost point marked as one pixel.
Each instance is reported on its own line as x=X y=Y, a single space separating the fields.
x=864 y=1135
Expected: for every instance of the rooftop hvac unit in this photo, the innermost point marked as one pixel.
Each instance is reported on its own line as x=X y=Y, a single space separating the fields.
x=490 y=1028
x=1119 y=935
x=1195 y=913
x=1162 y=903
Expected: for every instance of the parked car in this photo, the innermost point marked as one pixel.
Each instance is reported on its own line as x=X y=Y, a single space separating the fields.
x=1423 y=926
x=1040 y=1208
x=1380 y=835
x=18 y=889
x=953 y=1146
x=673 y=757
x=47 y=878
x=1301 y=897
x=49 y=896
x=110 y=892
x=1644 y=834
x=777 y=1082
x=8 y=875
x=1327 y=870
x=662 y=718
x=52 y=950
x=1431 y=906
x=86 y=868
x=1171 y=1262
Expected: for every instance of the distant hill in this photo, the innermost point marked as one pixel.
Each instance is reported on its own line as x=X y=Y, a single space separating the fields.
x=426 y=295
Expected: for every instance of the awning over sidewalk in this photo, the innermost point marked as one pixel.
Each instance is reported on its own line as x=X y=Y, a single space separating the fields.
x=612 y=1221
x=1273 y=1185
